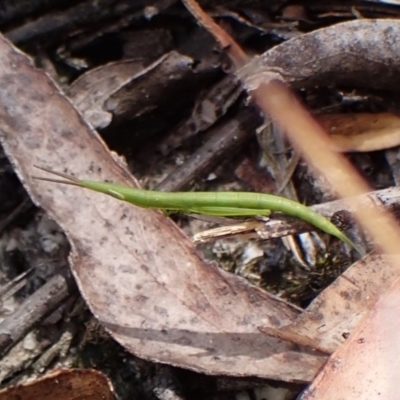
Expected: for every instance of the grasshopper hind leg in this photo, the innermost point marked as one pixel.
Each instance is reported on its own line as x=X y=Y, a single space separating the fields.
x=229 y=211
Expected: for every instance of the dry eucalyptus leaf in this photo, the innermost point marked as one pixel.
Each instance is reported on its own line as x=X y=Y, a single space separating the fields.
x=152 y=87
x=364 y=53
x=367 y=366
x=362 y=132
x=91 y=90
x=139 y=274
x=126 y=90
x=341 y=306
x=63 y=385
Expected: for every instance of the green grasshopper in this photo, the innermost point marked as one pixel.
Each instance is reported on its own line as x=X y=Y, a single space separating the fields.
x=226 y=204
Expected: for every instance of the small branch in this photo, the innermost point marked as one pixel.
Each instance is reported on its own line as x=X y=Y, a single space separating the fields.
x=235 y=52
x=35 y=308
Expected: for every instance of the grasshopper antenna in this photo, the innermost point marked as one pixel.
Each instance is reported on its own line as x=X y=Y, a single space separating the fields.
x=68 y=179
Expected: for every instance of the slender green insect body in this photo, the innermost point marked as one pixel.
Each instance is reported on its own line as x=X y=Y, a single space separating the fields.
x=238 y=204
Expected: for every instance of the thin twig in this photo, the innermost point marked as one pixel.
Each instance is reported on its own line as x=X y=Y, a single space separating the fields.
x=235 y=52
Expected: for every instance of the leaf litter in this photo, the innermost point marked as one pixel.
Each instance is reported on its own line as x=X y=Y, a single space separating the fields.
x=208 y=321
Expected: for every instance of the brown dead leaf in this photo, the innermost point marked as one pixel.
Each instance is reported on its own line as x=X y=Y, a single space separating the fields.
x=154 y=86
x=92 y=89
x=63 y=385
x=340 y=307
x=136 y=270
x=126 y=90
x=362 y=53
x=367 y=366
x=362 y=132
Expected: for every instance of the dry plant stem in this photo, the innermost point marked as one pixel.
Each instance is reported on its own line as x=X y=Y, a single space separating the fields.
x=225 y=139
x=20 y=209
x=237 y=55
x=34 y=309
x=306 y=135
